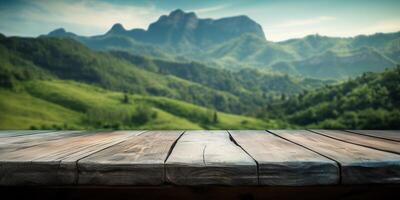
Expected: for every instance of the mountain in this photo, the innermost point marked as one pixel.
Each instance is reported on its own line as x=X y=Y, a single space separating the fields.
x=239 y=42
x=180 y=28
x=183 y=29
x=333 y=64
x=174 y=36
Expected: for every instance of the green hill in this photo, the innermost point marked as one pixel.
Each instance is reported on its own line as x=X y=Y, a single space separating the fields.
x=371 y=101
x=66 y=59
x=57 y=104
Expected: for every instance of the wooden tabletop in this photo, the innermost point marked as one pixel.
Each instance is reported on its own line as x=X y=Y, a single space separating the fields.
x=223 y=157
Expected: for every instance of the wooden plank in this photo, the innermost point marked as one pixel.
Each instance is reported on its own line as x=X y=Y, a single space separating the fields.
x=209 y=157
x=136 y=161
x=281 y=162
x=10 y=144
x=385 y=134
x=359 y=165
x=14 y=133
x=372 y=142
x=49 y=161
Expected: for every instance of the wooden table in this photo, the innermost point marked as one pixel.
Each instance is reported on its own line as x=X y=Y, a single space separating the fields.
x=247 y=158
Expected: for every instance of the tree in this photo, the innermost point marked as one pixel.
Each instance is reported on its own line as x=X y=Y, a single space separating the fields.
x=125 y=100
x=143 y=114
x=215 y=117
x=283 y=97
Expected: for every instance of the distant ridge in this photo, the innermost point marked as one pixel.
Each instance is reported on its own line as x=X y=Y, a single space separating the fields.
x=239 y=42
x=181 y=27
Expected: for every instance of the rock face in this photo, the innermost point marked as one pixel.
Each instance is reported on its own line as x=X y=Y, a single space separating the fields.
x=60 y=32
x=180 y=28
x=117 y=29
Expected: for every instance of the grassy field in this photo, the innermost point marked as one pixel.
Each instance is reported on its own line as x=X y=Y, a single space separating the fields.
x=60 y=104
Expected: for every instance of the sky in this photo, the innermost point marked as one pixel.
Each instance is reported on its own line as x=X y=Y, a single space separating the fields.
x=280 y=19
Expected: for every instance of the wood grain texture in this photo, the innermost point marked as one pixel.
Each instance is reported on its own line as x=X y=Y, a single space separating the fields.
x=51 y=160
x=209 y=157
x=14 y=133
x=9 y=144
x=281 y=162
x=359 y=165
x=136 y=161
x=376 y=143
x=385 y=134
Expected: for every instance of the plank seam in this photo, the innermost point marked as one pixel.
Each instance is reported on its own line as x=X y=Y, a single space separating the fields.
x=169 y=153
x=76 y=162
x=142 y=131
x=372 y=136
x=332 y=137
x=337 y=162
x=204 y=159
x=257 y=164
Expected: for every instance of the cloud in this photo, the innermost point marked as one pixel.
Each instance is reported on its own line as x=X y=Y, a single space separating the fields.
x=84 y=17
x=304 y=22
x=389 y=25
x=211 y=9
x=338 y=30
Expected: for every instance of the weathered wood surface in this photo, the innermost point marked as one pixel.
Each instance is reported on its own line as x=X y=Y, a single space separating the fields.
x=14 y=133
x=51 y=160
x=363 y=140
x=295 y=157
x=209 y=157
x=12 y=143
x=385 y=134
x=359 y=165
x=281 y=162
x=136 y=161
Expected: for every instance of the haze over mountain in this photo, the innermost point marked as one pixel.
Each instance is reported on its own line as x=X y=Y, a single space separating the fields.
x=239 y=42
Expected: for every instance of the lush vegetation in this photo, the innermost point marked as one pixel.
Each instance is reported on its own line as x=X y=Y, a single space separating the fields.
x=235 y=92
x=371 y=101
x=56 y=104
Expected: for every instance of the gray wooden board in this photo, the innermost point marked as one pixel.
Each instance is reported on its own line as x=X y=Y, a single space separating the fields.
x=51 y=160
x=359 y=165
x=281 y=162
x=14 y=133
x=10 y=144
x=385 y=134
x=377 y=143
x=209 y=157
x=136 y=161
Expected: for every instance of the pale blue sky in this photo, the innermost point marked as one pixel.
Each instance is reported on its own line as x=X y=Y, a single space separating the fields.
x=280 y=20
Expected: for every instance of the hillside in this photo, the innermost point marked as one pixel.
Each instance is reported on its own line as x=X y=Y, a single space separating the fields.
x=371 y=101
x=59 y=104
x=53 y=58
